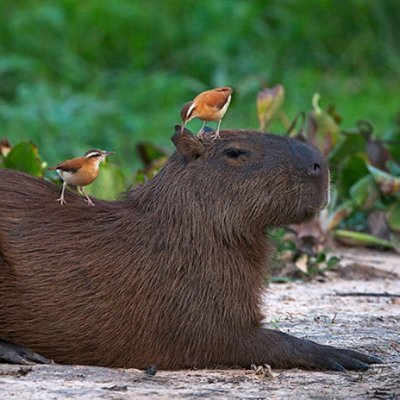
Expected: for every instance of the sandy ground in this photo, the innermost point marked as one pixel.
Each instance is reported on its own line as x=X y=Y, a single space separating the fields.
x=306 y=309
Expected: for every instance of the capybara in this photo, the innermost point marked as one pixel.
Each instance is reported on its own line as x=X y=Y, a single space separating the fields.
x=172 y=274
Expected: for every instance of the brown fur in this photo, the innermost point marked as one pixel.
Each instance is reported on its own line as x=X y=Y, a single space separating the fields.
x=171 y=275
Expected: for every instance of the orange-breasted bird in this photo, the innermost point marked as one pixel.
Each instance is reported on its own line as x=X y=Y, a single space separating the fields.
x=210 y=105
x=80 y=172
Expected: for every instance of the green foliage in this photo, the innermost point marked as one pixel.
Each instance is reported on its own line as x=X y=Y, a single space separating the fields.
x=350 y=171
x=24 y=157
x=76 y=75
x=352 y=238
x=269 y=103
x=364 y=192
x=389 y=184
x=347 y=145
x=303 y=262
x=393 y=216
x=110 y=183
x=363 y=167
x=365 y=206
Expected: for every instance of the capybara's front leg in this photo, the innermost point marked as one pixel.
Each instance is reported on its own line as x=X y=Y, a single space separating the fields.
x=13 y=354
x=281 y=350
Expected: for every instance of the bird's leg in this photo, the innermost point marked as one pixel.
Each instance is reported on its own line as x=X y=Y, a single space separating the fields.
x=61 y=198
x=88 y=199
x=200 y=133
x=216 y=134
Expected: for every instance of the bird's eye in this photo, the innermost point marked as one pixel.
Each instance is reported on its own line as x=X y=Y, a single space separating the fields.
x=233 y=152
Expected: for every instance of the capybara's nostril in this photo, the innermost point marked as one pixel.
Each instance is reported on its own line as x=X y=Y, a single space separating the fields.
x=308 y=159
x=314 y=169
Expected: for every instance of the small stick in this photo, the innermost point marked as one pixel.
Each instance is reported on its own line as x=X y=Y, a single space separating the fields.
x=367 y=294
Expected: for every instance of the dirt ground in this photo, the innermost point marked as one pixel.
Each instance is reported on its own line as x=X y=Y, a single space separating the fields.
x=307 y=309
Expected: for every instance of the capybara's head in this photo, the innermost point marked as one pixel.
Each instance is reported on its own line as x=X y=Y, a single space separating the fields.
x=250 y=177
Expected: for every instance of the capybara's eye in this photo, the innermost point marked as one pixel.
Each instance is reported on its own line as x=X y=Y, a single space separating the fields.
x=233 y=152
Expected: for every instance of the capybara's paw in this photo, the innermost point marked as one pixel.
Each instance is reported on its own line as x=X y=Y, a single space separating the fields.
x=13 y=354
x=332 y=358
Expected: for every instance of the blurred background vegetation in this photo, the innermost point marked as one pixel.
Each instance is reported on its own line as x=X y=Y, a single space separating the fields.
x=76 y=75
x=81 y=74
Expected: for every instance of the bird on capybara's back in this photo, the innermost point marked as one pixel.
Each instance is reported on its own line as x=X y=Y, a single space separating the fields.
x=171 y=275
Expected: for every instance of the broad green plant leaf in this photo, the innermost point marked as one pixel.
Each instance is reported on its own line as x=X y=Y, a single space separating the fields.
x=364 y=192
x=352 y=169
x=346 y=146
x=24 y=157
x=388 y=183
x=110 y=183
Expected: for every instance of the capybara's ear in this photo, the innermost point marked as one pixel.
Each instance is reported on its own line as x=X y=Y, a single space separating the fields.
x=187 y=144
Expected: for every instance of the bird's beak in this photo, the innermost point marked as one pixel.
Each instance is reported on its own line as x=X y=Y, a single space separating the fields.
x=108 y=153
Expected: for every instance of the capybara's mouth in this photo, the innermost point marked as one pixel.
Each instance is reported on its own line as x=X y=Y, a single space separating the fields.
x=310 y=213
x=326 y=200
x=311 y=210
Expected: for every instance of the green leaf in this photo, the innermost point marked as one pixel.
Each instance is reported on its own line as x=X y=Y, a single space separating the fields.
x=346 y=146
x=388 y=184
x=322 y=129
x=110 y=183
x=352 y=238
x=351 y=170
x=24 y=157
x=269 y=103
x=148 y=152
x=364 y=192
x=393 y=167
x=321 y=257
x=393 y=216
x=392 y=139
x=333 y=262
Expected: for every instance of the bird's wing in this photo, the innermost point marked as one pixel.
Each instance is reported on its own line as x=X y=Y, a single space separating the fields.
x=72 y=165
x=213 y=97
x=187 y=109
x=222 y=99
